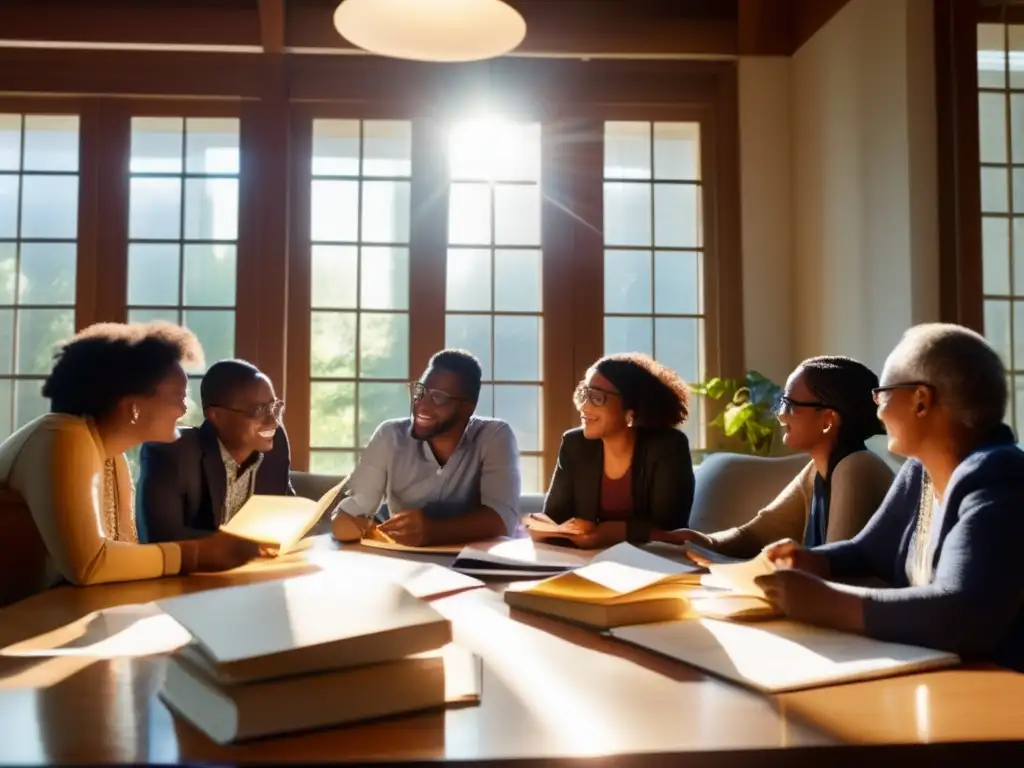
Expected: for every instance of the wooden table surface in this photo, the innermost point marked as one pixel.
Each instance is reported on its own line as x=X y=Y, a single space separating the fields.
x=551 y=691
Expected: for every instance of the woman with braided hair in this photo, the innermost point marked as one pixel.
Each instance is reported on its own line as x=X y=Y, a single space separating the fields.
x=828 y=412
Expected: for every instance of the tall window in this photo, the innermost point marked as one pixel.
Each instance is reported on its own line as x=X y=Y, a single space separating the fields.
x=38 y=253
x=653 y=258
x=359 y=339
x=493 y=293
x=183 y=229
x=1001 y=128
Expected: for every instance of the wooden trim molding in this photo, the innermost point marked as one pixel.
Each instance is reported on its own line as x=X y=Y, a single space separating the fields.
x=956 y=82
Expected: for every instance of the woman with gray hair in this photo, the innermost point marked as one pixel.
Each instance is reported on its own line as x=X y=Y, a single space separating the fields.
x=948 y=536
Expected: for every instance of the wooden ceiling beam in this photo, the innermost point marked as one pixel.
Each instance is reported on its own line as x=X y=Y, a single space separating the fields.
x=809 y=16
x=215 y=25
x=765 y=28
x=272 y=21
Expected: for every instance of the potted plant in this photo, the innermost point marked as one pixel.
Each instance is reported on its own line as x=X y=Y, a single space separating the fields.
x=749 y=412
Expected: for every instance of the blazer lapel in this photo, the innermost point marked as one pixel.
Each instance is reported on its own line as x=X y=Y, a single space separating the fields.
x=590 y=470
x=213 y=471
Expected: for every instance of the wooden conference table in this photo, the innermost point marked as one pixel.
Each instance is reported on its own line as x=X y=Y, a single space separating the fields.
x=551 y=692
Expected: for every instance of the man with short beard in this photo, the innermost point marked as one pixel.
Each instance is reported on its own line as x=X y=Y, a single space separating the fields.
x=446 y=476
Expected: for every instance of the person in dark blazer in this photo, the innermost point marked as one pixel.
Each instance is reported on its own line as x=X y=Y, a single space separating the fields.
x=189 y=488
x=627 y=470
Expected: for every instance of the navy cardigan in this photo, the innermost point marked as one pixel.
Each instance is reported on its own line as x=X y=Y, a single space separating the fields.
x=974 y=605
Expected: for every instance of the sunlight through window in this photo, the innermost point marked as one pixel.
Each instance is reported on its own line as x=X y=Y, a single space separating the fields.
x=493 y=295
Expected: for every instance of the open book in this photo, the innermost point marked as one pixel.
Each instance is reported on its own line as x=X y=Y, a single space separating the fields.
x=779 y=656
x=622 y=585
x=627 y=585
x=280 y=520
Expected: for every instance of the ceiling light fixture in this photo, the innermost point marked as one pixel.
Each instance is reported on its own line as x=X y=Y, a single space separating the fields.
x=431 y=30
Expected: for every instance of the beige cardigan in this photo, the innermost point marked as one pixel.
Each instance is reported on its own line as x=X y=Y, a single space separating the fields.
x=859 y=483
x=51 y=513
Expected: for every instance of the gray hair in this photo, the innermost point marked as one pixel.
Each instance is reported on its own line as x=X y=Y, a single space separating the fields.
x=965 y=370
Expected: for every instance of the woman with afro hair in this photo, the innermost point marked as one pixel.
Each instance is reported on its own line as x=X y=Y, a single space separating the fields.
x=626 y=471
x=66 y=496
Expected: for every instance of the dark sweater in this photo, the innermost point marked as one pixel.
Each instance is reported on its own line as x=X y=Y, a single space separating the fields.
x=974 y=605
x=661 y=478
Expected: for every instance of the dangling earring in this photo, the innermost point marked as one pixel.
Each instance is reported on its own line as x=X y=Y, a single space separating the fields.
x=629 y=420
x=135 y=415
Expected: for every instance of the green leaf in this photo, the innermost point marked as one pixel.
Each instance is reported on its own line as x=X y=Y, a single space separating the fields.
x=736 y=416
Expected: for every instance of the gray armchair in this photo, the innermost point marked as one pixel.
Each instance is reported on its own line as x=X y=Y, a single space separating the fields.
x=731 y=488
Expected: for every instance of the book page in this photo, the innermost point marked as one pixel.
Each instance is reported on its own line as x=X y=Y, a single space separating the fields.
x=281 y=520
x=739 y=577
x=524 y=554
x=541 y=523
x=776 y=656
x=635 y=557
x=617 y=572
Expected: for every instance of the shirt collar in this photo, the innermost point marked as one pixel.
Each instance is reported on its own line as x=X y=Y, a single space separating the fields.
x=229 y=460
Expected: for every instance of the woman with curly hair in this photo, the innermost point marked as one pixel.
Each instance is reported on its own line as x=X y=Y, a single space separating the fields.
x=826 y=411
x=65 y=489
x=627 y=470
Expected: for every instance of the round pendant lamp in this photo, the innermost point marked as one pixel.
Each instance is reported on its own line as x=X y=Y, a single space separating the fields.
x=431 y=30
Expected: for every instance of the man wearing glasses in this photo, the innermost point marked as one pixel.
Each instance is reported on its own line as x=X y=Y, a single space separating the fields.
x=190 y=487
x=445 y=475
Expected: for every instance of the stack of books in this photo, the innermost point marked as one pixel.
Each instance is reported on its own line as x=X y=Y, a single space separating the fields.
x=310 y=652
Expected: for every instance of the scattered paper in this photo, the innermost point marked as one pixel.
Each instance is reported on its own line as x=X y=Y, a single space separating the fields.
x=125 y=631
x=739 y=577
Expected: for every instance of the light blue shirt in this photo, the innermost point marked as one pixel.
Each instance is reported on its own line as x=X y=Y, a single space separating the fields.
x=398 y=468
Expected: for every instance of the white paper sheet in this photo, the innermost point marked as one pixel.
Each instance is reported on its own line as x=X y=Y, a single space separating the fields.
x=739 y=577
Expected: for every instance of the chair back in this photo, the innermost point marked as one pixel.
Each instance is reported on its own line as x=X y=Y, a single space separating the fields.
x=731 y=488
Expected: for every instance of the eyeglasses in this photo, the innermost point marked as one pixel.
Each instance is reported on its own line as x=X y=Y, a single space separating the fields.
x=787 y=404
x=258 y=412
x=593 y=395
x=877 y=392
x=438 y=397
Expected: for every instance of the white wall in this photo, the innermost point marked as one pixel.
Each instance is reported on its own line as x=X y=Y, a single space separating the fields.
x=865 y=219
x=766 y=213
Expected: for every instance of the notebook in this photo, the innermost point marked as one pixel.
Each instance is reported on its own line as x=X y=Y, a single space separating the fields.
x=304 y=624
x=280 y=520
x=231 y=713
x=622 y=585
x=519 y=558
x=778 y=656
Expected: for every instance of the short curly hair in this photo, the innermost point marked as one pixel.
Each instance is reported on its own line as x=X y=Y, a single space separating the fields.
x=107 y=362
x=655 y=393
